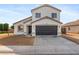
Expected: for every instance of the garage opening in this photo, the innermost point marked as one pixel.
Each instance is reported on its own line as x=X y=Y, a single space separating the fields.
x=46 y=30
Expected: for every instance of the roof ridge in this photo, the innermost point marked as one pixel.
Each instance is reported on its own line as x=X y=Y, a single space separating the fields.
x=47 y=6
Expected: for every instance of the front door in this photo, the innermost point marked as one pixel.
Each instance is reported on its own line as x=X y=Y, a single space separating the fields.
x=29 y=29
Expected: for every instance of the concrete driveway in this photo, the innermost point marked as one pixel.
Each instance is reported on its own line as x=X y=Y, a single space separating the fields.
x=48 y=45
x=52 y=41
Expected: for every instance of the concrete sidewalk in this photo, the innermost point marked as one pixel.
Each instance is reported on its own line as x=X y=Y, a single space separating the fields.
x=37 y=50
x=6 y=50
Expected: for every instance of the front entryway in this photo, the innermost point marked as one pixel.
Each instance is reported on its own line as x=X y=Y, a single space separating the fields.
x=29 y=29
x=46 y=30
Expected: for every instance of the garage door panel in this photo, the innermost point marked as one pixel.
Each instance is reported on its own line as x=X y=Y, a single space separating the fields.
x=46 y=30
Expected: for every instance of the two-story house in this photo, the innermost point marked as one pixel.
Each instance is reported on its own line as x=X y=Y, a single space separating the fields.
x=45 y=20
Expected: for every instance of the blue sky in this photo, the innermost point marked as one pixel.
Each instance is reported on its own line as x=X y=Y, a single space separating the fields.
x=10 y=13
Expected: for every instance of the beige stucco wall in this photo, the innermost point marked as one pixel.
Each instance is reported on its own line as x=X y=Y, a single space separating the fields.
x=45 y=11
x=74 y=29
x=47 y=22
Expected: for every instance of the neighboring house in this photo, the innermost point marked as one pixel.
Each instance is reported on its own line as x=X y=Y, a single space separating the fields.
x=45 y=20
x=72 y=27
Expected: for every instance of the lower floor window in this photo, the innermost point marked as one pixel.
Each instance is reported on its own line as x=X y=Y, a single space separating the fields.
x=20 y=28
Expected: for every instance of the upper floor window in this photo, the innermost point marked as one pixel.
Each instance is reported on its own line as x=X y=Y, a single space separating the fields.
x=38 y=15
x=54 y=15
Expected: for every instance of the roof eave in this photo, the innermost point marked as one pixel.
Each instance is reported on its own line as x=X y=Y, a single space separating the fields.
x=46 y=17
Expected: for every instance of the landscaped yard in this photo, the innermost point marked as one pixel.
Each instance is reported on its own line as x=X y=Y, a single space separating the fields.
x=15 y=40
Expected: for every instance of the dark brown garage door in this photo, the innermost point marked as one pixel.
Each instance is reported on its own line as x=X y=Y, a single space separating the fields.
x=46 y=30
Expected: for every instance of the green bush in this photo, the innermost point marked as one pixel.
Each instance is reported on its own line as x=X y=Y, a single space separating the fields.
x=1 y=27
x=4 y=27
